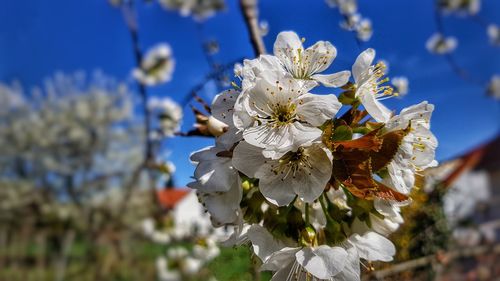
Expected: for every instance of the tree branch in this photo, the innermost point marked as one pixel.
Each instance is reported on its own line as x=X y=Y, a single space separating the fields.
x=131 y=20
x=251 y=14
x=464 y=252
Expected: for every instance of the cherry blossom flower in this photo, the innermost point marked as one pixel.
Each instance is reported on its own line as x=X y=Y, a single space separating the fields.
x=304 y=172
x=494 y=34
x=368 y=85
x=286 y=115
x=168 y=113
x=494 y=87
x=305 y=64
x=157 y=66
x=417 y=150
x=401 y=84
x=440 y=45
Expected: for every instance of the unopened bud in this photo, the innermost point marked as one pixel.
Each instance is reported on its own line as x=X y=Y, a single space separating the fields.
x=216 y=127
x=307 y=236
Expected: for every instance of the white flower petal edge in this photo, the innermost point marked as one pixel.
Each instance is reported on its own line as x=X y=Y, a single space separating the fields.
x=224 y=207
x=323 y=262
x=367 y=80
x=372 y=246
x=316 y=109
x=214 y=173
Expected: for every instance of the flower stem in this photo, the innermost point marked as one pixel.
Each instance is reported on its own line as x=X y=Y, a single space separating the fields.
x=324 y=208
x=307 y=213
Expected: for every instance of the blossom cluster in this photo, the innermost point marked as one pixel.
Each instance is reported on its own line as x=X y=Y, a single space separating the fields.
x=181 y=264
x=353 y=20
x=314 y=182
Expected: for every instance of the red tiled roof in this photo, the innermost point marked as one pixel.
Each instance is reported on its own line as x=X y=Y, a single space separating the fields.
x=168 y=198
x=483 y=157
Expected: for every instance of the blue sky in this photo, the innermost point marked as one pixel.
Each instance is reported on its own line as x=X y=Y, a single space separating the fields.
x=38 y=38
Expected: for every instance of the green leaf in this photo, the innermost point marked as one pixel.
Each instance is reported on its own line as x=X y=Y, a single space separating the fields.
x=342 y=133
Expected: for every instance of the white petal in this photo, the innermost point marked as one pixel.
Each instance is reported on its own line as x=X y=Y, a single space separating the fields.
x=223 y=206
x=214 y=173
x=281 y=139
x=222 y=106
x=351 y=270
x=309 y=187
x=263 y=243
x=373 y=247
x=335 y=80
x=362 y=63
x=320 y=56
x=376 y=109
x=279 y=259
x=316 y=109
x=323 y=262
x=277 y=191
x=285 y=47
x=248 y=158
x=283 y=273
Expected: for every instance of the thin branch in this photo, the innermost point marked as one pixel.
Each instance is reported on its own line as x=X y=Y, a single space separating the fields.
x=423 y=261
x=131 y=20
x=250 y=13
x=211 y=76
x=450 y=59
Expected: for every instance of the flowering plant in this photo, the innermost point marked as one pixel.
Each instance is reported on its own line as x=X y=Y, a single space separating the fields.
x=314 y=191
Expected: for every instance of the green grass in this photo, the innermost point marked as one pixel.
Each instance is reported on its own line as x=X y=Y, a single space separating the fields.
x=233 y=264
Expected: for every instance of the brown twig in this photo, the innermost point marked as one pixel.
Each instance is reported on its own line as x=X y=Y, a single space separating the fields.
x=251 y=15
x=131 y=20
x=412 y=264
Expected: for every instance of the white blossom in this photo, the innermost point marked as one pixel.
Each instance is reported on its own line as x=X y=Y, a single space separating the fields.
x=156 y=67
x=440 y=45
x=368 y=84
x=305 y=64
x=401 y=84
x=494 y=87
x=285 y=115
x=417 y=150
x=494 y=34
x=168 y=113
x=304 y=172
x=364 y=29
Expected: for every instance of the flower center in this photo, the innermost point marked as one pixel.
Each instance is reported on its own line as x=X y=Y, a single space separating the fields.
x=293 y=162
x=374 y=79
x=282 y=114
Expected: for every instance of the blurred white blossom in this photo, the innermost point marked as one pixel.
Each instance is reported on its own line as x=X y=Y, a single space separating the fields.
x=168 y=115
x=200 y=9
x=438 y=44
x=462 y=7
x=401 y=84
x=494 y=34
x=494 y=87
x=157 y=66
